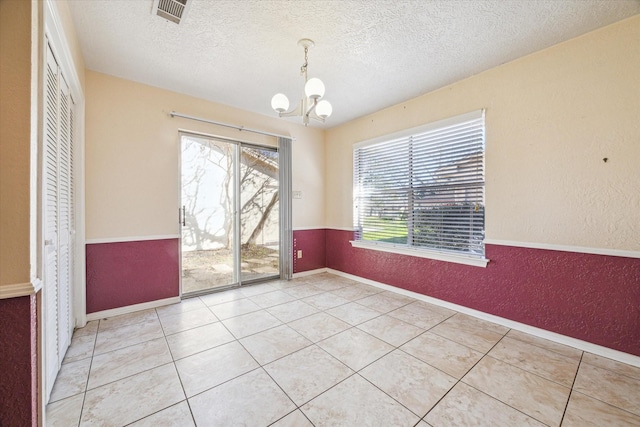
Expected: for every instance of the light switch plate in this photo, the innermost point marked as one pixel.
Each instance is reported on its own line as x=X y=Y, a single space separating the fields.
x=297 y=194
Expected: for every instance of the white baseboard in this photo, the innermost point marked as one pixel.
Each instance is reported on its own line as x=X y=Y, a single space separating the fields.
x=131 y=308
x=599 y=350
x=310 y=272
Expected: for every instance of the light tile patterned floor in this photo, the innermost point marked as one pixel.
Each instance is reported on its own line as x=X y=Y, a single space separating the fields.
x=327 y=351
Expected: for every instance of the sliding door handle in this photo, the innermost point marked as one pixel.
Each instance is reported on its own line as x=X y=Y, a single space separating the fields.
x=184 y=214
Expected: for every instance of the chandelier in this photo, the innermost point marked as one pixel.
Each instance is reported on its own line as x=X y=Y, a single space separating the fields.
x=311 y=105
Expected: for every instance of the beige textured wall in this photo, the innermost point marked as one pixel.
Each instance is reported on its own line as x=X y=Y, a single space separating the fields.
x=15 y=137
x=551 y=119
x=132 y=156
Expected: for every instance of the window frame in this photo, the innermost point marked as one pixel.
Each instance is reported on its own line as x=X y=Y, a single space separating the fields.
x=478 y=260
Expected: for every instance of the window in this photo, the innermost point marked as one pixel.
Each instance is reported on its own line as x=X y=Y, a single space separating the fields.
x=421 y=191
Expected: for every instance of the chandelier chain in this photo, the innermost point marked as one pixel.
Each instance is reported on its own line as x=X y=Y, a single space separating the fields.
x=303 y=69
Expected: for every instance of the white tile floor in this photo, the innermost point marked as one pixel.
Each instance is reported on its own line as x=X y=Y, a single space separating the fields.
x=326 y=351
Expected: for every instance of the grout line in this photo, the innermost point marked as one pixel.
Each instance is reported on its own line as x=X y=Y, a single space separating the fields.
x=173 y=362
x=285 y=415
x=494 y=397
x=573 y=383
x=86 y=386
x=158 y=411
x=193 y=417
x=459 y=380
x=388 y=395
x=231 y=379
x=354 y=373
x=130 y=345
x=516 y=367
x=434 y=367
x=634 y=415
x=357 y=324
x=225 y=382
x=504 y=403
x=297 y=408
x=290 y=302
x=520 y=367
x=446 y=338
x=305 y=415
x=614 y=371
x=359 y=372
x=131 y=375
x=542 y=347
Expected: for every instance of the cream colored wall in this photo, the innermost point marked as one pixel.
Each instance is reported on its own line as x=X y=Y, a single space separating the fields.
x=20 y=35
x=551 y=118
x=15 y=140
x=132 y=156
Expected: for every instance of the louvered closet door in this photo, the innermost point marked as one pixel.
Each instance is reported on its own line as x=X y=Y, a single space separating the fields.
x=50 y=189
x=64 y=213
x=58 y=208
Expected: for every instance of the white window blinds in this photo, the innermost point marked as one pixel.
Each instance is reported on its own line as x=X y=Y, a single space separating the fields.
x=424 y=189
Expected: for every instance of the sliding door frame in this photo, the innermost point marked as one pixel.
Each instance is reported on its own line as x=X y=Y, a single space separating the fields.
x=280 y=225
x=285 y=193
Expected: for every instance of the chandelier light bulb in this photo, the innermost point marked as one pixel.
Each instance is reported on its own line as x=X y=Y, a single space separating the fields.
x=280 y=102
x=314 y=88
x=324 y=109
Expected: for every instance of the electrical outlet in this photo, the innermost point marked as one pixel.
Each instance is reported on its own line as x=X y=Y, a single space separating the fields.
x=296 y=194
x=299 y=253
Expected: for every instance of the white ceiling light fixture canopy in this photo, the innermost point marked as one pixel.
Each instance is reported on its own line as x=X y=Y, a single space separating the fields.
x=311 y=105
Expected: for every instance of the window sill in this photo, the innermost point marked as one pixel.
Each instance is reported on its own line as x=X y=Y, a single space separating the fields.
x=421 y=253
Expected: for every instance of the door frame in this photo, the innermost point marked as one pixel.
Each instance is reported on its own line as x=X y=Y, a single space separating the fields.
x=50 y=31
x=239 y=143
x=280 y=225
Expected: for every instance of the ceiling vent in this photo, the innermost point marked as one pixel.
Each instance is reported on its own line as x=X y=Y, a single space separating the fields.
x=171 y=10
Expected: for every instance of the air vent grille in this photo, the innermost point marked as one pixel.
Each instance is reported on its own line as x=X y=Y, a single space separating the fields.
x=171 y=10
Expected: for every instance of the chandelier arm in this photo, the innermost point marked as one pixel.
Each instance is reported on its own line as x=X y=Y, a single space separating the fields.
x=312 y=107
x=314 y=116
x=298 y=111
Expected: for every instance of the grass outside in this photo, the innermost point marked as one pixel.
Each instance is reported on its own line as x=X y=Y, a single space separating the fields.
x=384 y=230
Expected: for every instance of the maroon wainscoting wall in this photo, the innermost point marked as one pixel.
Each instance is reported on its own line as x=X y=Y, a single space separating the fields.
x=18 y=362
x=126 y=273
x=594 y=298
x=312 y=245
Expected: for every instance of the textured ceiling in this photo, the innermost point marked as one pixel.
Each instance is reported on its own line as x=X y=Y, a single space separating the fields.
x=371 y=54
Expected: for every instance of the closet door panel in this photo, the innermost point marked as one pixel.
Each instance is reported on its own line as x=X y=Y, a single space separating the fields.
x=51 y=222
x=58 y=219
x=64 y=212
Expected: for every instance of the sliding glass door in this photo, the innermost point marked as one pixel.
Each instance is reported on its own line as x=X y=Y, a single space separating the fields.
x=260 y=202
x=229 y=213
